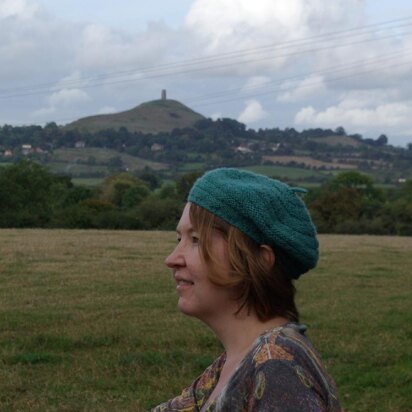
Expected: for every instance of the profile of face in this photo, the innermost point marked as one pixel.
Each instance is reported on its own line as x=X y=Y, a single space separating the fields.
x=197 y=295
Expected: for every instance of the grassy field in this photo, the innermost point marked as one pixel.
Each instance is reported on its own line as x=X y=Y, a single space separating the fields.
x=88 y=181
x=309 y=161
x=88 y=321
x=72 y=158
x=284 y=172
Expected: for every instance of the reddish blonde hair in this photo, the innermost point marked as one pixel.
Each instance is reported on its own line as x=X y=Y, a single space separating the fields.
x=258 y=286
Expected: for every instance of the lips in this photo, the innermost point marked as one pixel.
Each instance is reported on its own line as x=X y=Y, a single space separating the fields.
x=182 y=283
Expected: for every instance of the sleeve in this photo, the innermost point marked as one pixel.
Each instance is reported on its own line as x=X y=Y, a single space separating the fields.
x=284 y=386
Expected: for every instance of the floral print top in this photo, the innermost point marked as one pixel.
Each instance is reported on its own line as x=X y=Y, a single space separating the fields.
x=282 y=372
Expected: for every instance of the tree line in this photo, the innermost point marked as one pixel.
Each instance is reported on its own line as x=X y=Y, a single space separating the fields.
x=213 y=142
x=32 y=197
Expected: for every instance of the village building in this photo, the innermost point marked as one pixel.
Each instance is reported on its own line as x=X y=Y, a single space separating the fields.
x=243 y=149
x=26 y=149
x=156 y=147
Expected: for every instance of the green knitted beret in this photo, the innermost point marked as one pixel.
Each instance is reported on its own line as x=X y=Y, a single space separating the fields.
x=267 y=210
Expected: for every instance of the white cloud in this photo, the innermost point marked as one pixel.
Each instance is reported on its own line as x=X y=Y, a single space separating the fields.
x=312 y=86
x=107 y=110
x=34 y=47
x=255 y=82
x=224 y=26
x=364 y=116
x=67 y=97
x=215 y=116
x=104 y=48
x=16 y=8
x=63 y=53
x=252 y=113
x=44 y=113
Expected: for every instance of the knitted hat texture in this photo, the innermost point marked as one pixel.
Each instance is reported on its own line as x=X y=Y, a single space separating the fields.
x=267 y=210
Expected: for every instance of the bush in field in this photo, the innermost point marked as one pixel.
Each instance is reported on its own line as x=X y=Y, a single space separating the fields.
x=347 y=204
x=96 y=214
x=351 y=203
x=124 y=190
x=28 y=194
x=160 y=213
x=398 y=211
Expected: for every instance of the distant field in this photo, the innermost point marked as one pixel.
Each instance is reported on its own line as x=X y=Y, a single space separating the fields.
x=90 y=182
x=88 y=321
x=284 y=172
x=73 y=156
x=309 y=162
x=192 y=167
x=337 y=140
x=74 y=169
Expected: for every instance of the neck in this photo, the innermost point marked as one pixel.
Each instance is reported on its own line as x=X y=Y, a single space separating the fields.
x=238 y=332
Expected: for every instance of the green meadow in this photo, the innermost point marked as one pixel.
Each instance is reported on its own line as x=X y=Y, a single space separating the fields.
x=88 y=321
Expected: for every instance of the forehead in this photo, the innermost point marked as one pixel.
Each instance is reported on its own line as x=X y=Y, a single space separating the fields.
x=184 y=223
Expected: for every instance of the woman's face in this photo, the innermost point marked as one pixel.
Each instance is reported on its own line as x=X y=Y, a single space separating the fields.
x=197 y=295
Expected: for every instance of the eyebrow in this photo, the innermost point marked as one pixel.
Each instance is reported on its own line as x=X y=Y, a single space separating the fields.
x=190 y=230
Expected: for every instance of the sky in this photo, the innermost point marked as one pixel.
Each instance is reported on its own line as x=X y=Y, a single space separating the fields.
x=267 y=63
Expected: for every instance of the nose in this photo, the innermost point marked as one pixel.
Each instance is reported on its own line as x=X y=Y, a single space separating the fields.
x=175 y=259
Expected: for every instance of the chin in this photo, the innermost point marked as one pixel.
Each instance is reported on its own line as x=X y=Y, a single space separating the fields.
x=186 y=308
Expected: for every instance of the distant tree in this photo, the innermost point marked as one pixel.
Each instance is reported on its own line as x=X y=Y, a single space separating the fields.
x=167 y=191
x=397 y=213
x=134 y=195
x=115 y=164
x=124 y=190
x=348 y=197
x=340 y=131
x=333 y=207
x=184 y=184
x=27 y=195
x=75 y=195
x=382 y=140
x=151 y=179
x=352 y=179
x=158 y=213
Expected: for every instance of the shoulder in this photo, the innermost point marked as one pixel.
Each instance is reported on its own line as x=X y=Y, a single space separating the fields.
x=287 y=343
x=284 y=358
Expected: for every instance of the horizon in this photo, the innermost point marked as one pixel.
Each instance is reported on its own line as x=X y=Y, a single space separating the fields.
x=304 y=65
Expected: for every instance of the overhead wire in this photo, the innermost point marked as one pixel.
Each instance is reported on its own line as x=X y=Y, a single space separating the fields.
x=293 y=48
x=167 y=69
x=280 y=87
x=327 y=71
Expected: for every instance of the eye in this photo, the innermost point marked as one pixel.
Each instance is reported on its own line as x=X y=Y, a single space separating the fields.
x=195 y=240
x=178 y=239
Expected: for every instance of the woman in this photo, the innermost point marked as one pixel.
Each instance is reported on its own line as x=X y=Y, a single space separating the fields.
x=242 y=239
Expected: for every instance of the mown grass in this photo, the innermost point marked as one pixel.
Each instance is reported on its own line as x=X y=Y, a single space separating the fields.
x=88 y=321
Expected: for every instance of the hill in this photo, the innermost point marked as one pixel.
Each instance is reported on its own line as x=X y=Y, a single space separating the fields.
x=168 y=138
x=150 y=117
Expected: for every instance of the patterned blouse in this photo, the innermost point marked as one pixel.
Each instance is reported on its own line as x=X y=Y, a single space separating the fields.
x=282 y=372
